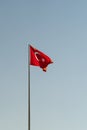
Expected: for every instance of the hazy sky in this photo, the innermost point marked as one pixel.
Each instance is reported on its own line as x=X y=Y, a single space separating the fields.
x=59 y=96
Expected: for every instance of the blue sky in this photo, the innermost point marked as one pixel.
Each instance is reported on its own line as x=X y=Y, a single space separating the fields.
x=58 y=97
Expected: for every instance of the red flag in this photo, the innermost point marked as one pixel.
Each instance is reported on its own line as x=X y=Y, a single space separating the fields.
x=38 y=58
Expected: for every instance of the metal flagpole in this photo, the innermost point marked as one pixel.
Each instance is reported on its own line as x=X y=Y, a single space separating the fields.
x=28 y=87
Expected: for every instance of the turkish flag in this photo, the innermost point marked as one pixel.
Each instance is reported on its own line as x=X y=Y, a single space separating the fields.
x=38 y=58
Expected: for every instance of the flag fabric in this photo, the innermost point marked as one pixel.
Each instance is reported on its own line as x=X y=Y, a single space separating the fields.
x=38 y=58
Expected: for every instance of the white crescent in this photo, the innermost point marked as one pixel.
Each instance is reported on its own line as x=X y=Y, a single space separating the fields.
x=42 y=59
x=36 y=55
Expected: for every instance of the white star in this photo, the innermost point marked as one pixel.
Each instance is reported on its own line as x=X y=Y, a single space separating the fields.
x=43 y=60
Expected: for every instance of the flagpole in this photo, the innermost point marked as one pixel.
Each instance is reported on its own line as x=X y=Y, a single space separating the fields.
x=28 y=87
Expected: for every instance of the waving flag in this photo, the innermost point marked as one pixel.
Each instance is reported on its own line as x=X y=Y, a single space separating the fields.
x=38 y=58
